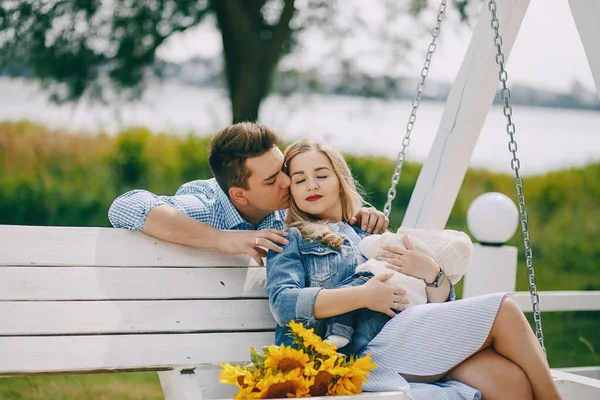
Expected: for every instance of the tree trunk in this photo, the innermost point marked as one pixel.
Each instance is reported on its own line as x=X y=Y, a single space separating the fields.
x=252 y=50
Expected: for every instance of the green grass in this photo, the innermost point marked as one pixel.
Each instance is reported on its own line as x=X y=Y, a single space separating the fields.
x=125 y=386
x=565 y=337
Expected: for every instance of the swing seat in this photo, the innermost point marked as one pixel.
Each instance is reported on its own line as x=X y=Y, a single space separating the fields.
x=91 y=300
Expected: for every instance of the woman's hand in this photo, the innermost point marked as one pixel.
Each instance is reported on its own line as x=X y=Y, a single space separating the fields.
x=383 y=298
x=409 y=261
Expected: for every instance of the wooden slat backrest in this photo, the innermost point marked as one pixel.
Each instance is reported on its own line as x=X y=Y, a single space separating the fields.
x=26 y=318
x=126 y=283
x=90 y=247
x=93 y=299
x=23 y=355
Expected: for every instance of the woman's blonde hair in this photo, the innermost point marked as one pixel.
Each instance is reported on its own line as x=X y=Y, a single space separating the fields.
x=311 y=226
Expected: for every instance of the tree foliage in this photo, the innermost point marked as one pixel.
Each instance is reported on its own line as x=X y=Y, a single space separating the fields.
x=106 y=49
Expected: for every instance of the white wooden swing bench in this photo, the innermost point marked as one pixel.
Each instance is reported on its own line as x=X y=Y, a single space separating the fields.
x=92 y=300
x=85 y=300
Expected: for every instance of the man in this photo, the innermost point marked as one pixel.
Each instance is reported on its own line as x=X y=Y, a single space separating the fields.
x=240 y=211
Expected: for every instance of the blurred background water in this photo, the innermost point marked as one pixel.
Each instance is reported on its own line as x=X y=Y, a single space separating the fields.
x=548 y=138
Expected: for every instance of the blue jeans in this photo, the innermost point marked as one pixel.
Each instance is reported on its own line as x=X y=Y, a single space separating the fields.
x=358 y=326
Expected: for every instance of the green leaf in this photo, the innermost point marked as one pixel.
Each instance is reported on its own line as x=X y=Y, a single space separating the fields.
x=257 y=359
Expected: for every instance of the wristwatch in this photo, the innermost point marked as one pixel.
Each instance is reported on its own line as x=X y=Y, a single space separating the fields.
x=437 y=282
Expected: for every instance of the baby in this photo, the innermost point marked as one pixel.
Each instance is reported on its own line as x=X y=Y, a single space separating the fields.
x=451 y=250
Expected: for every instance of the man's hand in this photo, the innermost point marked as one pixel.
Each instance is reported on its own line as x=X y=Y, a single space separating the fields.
x=409 y=261
x=384 y=298
x=370 y=220
x=252 y=243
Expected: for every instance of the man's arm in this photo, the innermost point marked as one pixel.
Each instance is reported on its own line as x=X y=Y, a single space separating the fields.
x=153 y=215
x=167 y=218
x=129 y=210
x=166 y=223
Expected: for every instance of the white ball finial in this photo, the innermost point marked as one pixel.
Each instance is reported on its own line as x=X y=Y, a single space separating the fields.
x=493 y=218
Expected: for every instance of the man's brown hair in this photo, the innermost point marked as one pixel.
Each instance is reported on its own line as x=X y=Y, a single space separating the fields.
x=231 y=147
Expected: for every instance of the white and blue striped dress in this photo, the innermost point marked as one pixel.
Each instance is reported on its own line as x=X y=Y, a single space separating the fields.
x=426 y=340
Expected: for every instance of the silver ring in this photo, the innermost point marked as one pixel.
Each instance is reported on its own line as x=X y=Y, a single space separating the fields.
x=256 y=242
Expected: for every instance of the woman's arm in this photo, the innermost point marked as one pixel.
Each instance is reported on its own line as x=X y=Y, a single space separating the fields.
x=374 y=295
x=333 y=302
x=413 y=263
x=441 y=293
x=290 y=299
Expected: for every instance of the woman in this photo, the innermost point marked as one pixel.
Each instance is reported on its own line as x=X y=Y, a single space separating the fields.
x=444 y=342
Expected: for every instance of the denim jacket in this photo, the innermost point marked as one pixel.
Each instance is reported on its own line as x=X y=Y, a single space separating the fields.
x=304 y=267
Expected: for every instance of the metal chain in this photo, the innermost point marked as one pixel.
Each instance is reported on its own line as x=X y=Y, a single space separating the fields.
x=518 y=181
x=413 y=115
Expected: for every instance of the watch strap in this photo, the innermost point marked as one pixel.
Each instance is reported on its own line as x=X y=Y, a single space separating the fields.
x=437 y=282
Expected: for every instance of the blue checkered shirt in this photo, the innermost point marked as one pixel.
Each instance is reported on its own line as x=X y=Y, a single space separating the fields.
x=201 y=200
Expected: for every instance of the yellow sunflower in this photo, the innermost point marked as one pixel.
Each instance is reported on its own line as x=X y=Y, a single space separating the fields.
x=333 y=366
x=362 y=365
x=345 y=386
x=303 y=334
x=329 y=372
x=282 y=371
x=352 y=379
x=285 y=358
x=323 y=348
x=233 y=375
x=298 y=329
x=309 y=338
x=249 y=393
x=281 y=385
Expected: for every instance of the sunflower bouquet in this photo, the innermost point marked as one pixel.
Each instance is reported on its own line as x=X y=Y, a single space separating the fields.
x=311 y=368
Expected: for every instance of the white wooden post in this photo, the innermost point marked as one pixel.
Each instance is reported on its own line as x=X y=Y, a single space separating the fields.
x=493 y=219
x=492 y=269
x=586 y=14
x=180 y=385
x=467 y=106
x=207 y=378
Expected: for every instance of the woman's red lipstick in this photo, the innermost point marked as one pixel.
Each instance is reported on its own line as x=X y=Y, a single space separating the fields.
x=314 y=197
